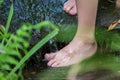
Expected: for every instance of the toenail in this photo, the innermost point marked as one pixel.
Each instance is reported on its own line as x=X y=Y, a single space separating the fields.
x=68 y=8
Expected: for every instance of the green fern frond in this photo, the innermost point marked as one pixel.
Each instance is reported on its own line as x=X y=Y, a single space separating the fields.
x=20 y=42
x=2 y=31
x=39 y=44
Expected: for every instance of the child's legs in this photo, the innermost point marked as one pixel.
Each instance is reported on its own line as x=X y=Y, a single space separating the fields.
x=83 y=45
x=86 y=17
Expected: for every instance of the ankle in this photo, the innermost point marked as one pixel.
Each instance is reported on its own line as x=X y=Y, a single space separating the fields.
x=84 y=39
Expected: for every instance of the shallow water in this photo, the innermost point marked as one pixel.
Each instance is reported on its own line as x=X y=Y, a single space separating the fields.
x=34 y=11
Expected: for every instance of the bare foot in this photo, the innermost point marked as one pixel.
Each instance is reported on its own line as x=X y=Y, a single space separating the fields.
x=70 y=7
x=73 y=53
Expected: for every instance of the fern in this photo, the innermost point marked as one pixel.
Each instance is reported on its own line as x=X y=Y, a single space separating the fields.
x=18 y=43
x=39 y=44
x=11 y=59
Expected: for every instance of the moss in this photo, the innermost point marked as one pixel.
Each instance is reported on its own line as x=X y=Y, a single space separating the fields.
x=66 y=33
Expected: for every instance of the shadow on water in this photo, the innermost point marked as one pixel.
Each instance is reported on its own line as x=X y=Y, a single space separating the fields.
x=34 y=11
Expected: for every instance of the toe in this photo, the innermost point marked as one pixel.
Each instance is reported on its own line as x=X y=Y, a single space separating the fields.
x=73 y=11
x=51 y=62
x=65 y=5
x=49 y=56
x=67 y=8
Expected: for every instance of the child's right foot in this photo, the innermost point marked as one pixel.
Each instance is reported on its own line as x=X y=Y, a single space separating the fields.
x=70 y=7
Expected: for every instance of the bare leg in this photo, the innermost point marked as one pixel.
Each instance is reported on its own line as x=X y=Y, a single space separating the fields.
x=118 y=3
x=83 y=45
x=70 y=7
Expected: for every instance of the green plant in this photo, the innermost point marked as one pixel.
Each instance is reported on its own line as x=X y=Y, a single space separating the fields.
x=1 y=1
x=11 y=59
